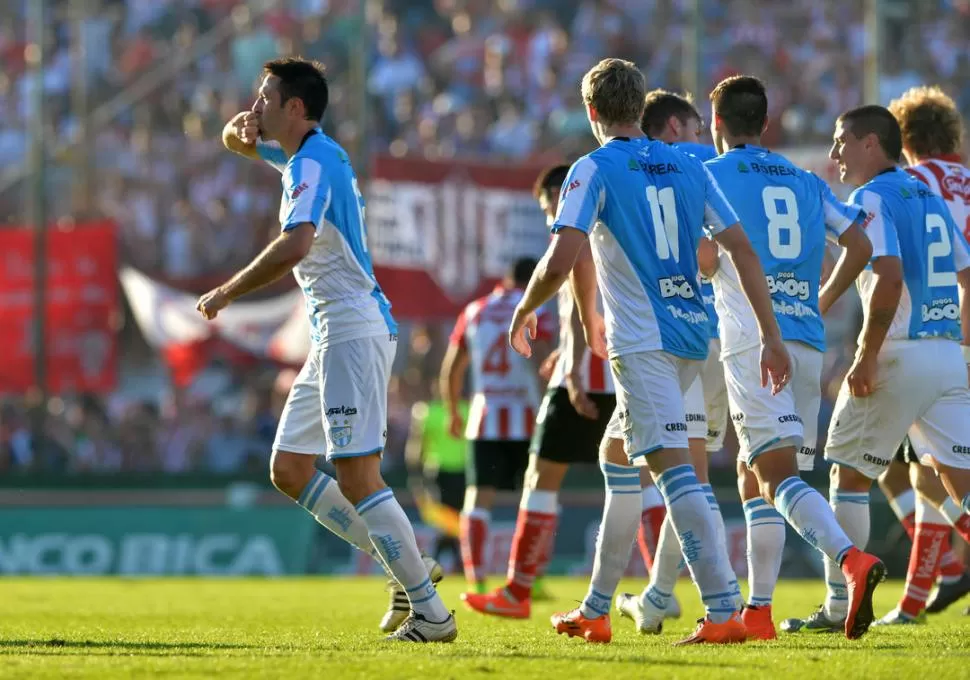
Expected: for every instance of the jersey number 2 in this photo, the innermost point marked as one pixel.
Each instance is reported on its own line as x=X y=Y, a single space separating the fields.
x=497 y=357
x=937 y=249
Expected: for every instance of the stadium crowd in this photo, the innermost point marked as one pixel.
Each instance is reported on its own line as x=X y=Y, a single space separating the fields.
x=496 y=80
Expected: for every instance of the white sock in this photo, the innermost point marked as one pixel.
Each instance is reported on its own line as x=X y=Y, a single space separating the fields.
x=538 y=500
x=721 y=533
x=766 y=546
x=392 y=535
x=322 y=498
x=667 y=565
x=904 y=504
x=951 y=511
x=693 y=520
x=852 y=512
x=651 y=498
x=618 y=530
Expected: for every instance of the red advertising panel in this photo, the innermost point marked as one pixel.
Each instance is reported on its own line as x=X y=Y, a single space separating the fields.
x=442 y=233
x=82 y=309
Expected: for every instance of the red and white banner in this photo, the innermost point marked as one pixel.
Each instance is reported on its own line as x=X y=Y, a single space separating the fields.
x=81 y=314
x=276 y=328
x=441 y=234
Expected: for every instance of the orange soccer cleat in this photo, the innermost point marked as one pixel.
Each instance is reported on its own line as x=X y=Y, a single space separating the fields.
x=574 y=624
x=863 y=572
x=757 y=621
x=731 y=631
x=498 y=603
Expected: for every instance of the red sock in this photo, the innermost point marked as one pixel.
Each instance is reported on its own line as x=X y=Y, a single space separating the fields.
x=963 y=527
x=651 y=520
x=473 y=532
x=924 y=559
x=531 y=550
x=909 y=524
x=951 y=568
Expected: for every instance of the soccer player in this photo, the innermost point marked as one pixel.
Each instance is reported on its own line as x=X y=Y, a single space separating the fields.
x=569 y=428
x=641 y=206
x=673 y=119
x=932 y=132
x=503 y=407
x=787 y=214
x=909 y=375
x=338 y=404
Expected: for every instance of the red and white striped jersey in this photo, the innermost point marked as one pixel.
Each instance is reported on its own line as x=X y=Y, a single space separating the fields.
x=505 y=385
x=595 y=372
x=950 y=179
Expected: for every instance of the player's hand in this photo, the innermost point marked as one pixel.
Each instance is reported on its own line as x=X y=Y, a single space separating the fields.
x=549 y=365
x=594 y=328
x=456 y=426
x=861 y=378
x=522 y=330
x=246 y=127
x=579 y=399
x=775 y=364
x=212 y=303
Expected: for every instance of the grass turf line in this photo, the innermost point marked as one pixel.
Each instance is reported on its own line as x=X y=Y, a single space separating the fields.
x=327 y=628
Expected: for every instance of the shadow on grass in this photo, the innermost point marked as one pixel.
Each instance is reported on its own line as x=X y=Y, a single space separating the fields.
x=638 y=659
x=150 y=646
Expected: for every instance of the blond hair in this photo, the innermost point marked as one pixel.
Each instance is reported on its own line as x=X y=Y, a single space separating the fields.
x=929 y=120
x=616 y=90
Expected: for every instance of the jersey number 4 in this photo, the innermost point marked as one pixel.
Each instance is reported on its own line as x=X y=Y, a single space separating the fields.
x=497 y=357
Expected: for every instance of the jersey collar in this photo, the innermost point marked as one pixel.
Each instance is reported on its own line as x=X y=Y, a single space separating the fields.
x=309 y=133
x=945 y=157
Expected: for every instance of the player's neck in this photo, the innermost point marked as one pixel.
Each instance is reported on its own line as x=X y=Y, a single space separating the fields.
x=613 y=131
x=877 y=170
x=293 y=139
x=750 y=140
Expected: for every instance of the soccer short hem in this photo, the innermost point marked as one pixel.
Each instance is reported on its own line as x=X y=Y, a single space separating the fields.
x=282 y=447
x=497 y=464
x=564 y=436
x=351 y=454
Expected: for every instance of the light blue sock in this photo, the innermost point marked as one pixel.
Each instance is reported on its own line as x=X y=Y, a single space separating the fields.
x=691 y=514
x=966 y=503
x=321 y=497
x=617 y=532
x=722 y=539
x=766 y=546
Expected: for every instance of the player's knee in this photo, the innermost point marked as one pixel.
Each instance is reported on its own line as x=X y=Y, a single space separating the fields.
x=846 y=479
x=290 y=472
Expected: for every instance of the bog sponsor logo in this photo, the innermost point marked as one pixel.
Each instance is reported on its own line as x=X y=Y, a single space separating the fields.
x=938 y=312
x=787 y=284
x=676 y=286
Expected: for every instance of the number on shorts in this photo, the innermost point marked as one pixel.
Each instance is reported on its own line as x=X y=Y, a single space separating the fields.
x=938 y=249
x=782 y=222
x=663 y=210
x=497 y=357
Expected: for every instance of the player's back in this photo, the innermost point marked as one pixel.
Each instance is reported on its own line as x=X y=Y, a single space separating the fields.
x=649 y=204
x=908 y=220
x=951 y=180
x=784 y=211
x=505 y=389
x=344 y=299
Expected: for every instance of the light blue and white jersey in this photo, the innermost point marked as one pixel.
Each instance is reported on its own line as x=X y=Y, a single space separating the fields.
x=703 y=152
x=343 y=298
x=645 y=206
x=907 y=220
x=787 y=214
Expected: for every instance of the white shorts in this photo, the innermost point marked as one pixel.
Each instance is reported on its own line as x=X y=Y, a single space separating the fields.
x=921 y=390
x=694 y=410
x=715 y=397
x=338 y=403
x=762 y=419
x=650 y=412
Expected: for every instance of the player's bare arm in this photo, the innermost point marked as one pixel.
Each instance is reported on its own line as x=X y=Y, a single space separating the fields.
x=888 y=273
x=451 y=382
x=575 y=351
x=856 y=252
x=707 y=257
x=585 y=292
x=240 y=134
x=775 y=362
x=551 y=272
x=963 y=281
x=277 y=260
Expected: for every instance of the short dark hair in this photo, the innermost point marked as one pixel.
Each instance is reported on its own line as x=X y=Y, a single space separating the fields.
x=660 y=105
x=521 y=270
x=742 y=105
x=302 y=79
x=551 y=178
x=879 y=121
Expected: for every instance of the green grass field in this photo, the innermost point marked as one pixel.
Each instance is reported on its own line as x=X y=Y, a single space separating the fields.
x=327 y=628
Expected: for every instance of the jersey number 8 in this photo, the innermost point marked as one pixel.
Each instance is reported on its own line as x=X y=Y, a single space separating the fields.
x=786 y=222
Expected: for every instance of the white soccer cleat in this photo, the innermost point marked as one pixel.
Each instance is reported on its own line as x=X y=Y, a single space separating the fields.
x=416 y=628
x=649 y=620
x=399 y=606
x=673 y=608
x=897 y=618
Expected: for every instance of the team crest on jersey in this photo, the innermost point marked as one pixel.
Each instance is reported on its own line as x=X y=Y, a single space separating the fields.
x=341 y=433
x=957 y=186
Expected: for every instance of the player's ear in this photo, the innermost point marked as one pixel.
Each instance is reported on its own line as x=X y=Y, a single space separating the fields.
x=675 y=124
x=592 y=113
